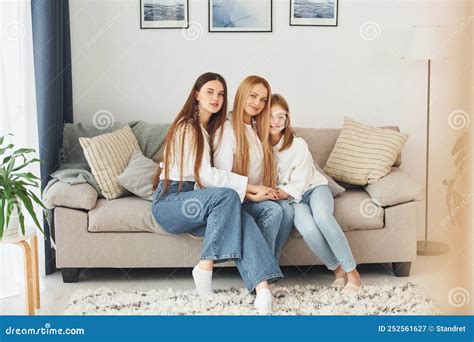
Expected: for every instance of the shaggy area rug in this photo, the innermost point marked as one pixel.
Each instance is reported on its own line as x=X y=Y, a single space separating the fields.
x=382 y=299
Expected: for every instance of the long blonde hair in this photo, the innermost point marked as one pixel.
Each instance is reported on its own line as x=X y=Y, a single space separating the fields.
x=288 y=133
x=262 y=120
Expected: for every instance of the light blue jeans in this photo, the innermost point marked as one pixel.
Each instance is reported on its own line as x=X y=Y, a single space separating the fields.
x=315 y=221
x=275 y=220
x=229 y=234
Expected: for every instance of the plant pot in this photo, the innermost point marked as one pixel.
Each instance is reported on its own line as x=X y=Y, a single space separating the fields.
x=13 y=230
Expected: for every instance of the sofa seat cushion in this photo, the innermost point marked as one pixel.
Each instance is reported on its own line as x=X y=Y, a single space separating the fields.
x=354 y=210
x=126 y=214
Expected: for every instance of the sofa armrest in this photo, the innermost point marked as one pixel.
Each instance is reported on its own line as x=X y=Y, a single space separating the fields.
x=395 y=188
x=77 y=196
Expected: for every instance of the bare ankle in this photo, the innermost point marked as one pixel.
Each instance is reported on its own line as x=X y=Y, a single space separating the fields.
x=206 y=265
x=262 y=285
x=339 y=272
x=353 y=277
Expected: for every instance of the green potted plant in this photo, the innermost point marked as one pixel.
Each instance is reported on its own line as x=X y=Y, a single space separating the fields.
x=16 y=195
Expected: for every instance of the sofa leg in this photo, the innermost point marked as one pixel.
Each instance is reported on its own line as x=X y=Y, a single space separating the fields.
x=401 y=269
x=70 y=275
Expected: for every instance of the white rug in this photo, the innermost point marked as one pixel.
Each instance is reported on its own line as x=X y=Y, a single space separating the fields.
x=382 y=299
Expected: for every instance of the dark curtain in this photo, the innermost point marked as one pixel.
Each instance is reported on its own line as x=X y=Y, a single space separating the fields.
x=52 y=58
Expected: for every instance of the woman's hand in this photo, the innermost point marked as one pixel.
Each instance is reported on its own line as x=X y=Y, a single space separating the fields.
x=282 y=195
x=259 y=197
x=255 y=189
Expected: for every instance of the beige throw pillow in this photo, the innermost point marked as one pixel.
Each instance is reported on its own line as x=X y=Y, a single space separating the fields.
x=362 y=155
x=108 y=155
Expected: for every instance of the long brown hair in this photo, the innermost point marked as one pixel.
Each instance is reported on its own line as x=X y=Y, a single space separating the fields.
x=242 y=159
x=187 y=120
x=288 y=133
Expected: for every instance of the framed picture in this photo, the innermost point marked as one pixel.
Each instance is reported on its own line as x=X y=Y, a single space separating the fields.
x=164 y=14
x=313 y=12
x=240 y=15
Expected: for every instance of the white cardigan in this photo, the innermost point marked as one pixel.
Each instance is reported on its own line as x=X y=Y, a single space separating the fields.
x=211 y=177
x=225 y=152
x=295 y=169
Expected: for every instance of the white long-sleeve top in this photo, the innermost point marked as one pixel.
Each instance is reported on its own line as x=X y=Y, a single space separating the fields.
x=211 y=177
x=225 y=152
x=296 y=172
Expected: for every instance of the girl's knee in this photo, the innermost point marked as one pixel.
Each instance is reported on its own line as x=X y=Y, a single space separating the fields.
x=325 y=220
x=275 y=211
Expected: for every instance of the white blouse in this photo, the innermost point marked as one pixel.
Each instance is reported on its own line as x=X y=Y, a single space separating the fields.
x=225 y=152
x=296 y=172
x=211 y=177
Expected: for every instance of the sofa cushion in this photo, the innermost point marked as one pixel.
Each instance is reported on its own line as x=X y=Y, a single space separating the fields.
x=362 y=155
x=354 y=210
x=108 y=155
x=127 y=214
x=77 y=196
x=137 y=176
x=395 y=188
x=321 y=141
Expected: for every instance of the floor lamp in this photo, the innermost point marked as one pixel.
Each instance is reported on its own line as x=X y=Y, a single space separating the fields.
x=426 y=45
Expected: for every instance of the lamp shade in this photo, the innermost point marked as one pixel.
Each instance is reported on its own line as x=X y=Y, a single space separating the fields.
x=427 y=42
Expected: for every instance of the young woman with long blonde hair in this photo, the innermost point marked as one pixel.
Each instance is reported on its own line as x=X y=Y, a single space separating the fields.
x=244 y=148
x=308 y=191
x=193 y=197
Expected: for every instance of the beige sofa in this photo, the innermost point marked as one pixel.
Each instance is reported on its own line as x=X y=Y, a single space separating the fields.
x=92 y=232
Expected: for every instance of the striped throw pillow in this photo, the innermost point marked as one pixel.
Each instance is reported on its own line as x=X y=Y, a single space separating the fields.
x=362 y=155
x=108 y=155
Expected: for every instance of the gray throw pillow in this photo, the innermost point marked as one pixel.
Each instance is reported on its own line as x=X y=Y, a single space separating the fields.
x=137 y=176
x=335 y=188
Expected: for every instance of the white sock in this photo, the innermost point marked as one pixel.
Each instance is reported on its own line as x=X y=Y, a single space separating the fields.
x=263 y=302
x=203 y=281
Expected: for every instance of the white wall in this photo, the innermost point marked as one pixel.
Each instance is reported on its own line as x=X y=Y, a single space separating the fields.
x=325 y=72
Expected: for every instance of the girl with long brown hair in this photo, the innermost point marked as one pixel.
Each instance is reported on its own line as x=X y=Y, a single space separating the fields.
x=243 y=147
x=193 y=197
x=307 y=189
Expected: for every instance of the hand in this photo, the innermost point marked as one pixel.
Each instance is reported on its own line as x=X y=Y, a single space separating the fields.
x=255 y=189
x=259 y=197
x=281 y=195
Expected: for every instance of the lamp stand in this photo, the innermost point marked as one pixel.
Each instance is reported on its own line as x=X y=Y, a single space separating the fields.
x=425 y=247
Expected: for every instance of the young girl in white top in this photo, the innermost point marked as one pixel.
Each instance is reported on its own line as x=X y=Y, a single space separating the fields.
x=193 y=197
x=299 y=181
x=244 y=148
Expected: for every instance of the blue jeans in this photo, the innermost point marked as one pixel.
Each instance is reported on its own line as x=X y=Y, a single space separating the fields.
x=315 y=221
x=215 y=215
x=275 y=220
x=286 y=226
